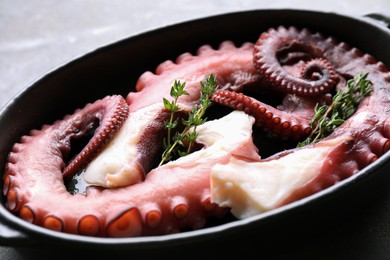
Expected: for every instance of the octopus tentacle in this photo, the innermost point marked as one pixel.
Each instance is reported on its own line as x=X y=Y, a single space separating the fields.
x=289 y=45
x=276 y=122
x=133 y=210
x=144 y=128
x=139 y=208
x=232 y=66
x=111 y=112
x=183 y=193
x=358 y=142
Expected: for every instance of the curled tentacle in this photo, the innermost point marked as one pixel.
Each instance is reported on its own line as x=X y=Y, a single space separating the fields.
x=297 y=173
x=317 y=69
x=111 y=112
x=289 y=46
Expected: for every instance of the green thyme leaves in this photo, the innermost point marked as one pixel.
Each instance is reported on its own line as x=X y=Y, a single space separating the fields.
x=175 y=143
x=344 y=105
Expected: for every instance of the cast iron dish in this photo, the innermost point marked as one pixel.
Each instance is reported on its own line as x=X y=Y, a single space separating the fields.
x=114 y=69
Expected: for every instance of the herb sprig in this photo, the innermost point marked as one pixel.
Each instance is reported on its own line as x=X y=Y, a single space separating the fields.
x=175 y=144
x=344 y=104
x=176 y=91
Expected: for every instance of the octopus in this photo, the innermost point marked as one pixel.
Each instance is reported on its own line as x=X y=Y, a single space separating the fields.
x=128 y=195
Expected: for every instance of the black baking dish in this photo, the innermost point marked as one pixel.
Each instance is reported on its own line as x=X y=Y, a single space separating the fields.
x=114 y=69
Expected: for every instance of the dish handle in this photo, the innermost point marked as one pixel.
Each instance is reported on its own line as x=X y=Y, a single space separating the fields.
x=383 y=18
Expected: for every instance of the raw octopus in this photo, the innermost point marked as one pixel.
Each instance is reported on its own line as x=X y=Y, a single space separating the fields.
x=128 y=195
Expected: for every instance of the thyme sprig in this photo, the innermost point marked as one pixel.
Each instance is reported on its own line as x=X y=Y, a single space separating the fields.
x=175 y=144
x=344 y=104
x=176 y=91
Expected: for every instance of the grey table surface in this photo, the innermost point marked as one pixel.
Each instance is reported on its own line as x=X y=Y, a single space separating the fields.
x=38 y=36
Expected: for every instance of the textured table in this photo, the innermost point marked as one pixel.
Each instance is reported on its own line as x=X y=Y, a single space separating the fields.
x=38 y=36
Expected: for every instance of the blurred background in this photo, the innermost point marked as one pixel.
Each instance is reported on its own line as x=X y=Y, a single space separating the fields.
x=37 y=36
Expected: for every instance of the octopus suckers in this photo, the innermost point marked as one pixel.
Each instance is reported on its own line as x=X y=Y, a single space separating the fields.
x=127 y=224
x=89 y=225
x=27 y=214
x=53 y=223
x=153 y=218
